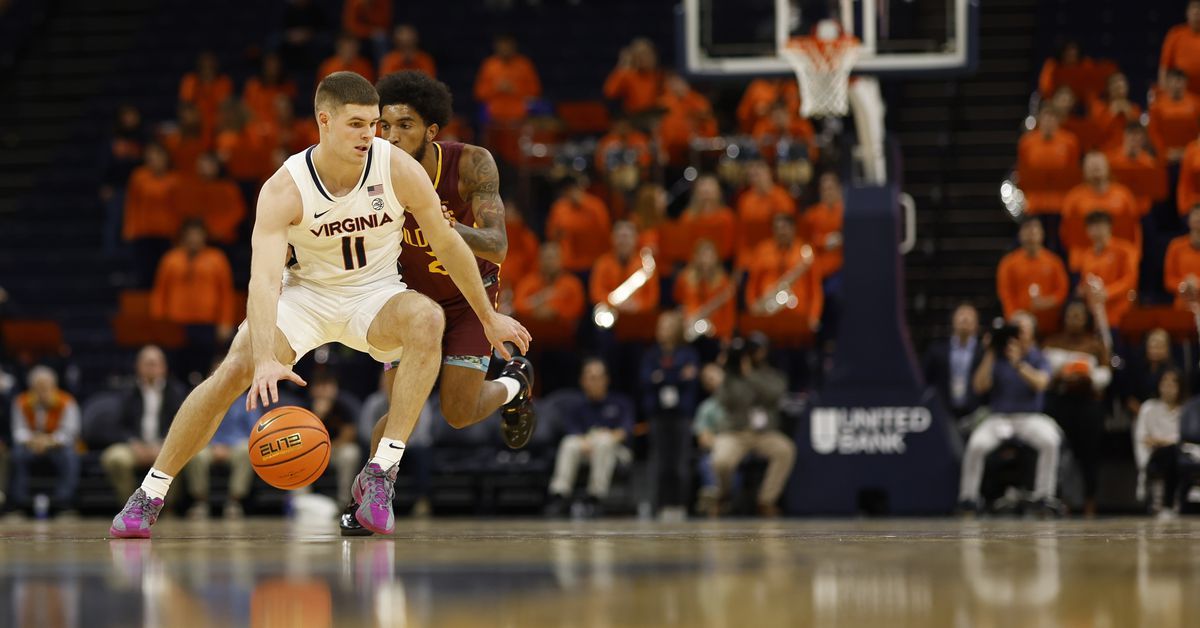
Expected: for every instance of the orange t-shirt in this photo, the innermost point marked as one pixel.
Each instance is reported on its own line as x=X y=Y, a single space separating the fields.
x=635 y=141
x=1109 y=127
x=1174 y=123
x=1144 y=175
x=362 y=17
x=770 y=265
x=1187 y=192
x=761 y=96
x=1117 y=265
x=582 y=230
x=359 y=65
x=1117 y=201
x=693 y=294
x=720 y=226
x=638 y=90
x=1182 y=259
x=520 y=74
x=397 y=61
x=816 y=225
x=686 y=118
x=1047 y=168
x=260 y=97
x=247 y=153
x=195 y=290
x=299 y=135
x=566 y=296
x=184 y=150
x=150 y=210
x=206 y=96
x=608 y=273
x=1021 y=276
x=755 y=212
x=1181 y=50
x=217 y=202
x=1086 y=78
x=522 y=255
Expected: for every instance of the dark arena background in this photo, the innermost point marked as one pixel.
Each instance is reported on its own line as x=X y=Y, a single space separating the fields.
x=844 y=313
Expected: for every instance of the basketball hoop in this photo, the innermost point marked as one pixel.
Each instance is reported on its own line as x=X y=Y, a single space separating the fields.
x=822 y=68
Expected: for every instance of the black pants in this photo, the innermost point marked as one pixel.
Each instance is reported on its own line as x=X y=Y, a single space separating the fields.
x=671 y=446
x=1164 y=464
x=1082 y=420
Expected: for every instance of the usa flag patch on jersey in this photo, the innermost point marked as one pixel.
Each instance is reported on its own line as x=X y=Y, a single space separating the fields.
x=375 y=190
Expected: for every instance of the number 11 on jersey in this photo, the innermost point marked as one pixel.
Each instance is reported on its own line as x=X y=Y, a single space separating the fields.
x=359 y=248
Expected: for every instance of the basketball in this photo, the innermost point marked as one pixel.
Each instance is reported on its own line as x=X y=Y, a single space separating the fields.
x=289 y=447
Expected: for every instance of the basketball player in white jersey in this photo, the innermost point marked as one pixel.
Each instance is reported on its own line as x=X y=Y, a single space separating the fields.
x=341 y=206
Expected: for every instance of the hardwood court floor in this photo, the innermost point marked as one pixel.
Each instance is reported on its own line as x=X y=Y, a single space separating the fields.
x=510 y=573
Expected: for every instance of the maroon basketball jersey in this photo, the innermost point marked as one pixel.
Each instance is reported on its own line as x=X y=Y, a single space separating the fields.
x=421 y=269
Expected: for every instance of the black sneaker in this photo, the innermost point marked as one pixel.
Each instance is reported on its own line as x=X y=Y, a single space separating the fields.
x=969 y=508
x=349 y=523
x=557 y=507
x=518 y=419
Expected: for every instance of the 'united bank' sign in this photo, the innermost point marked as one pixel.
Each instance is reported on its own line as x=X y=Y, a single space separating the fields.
x=866 y=430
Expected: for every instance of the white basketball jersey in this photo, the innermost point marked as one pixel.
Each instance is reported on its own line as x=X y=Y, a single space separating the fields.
x=351 y=240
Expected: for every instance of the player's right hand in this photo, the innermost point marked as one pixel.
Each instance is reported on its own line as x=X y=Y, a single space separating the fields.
x=500 y=329
x=266 y=383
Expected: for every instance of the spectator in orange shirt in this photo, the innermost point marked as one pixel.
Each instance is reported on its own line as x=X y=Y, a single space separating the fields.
x=688 y=115
x=507 y=82
x=1070 y=68
x=1136 y=167
x=1098 y=193
x=707 y=294
x=1108 y=269
x=784 y=127
x=619 y=264
x=347 y=59
x=623 y=156
x=1181 y=267
x=821 y=224
x=1174 y=117
x=214 y=200
x=1181 y=49
x=186 y=139
x=521 y=259
x=293 y=134
x=774 y=261
x=368 y=20
x=756 y=209
x=708 y=218
x=1032 y=279
x=1047 y=167
x=261 y=91
x=1074 y=119
x=649 y=215
x=194 y=288
x=206 y=88
x=574 y=222
x=1187 y=191
x=124 y=155
x=244 y=147
x=406 y=54
x=151 y=218
x=1114 y=112
x=550 y=300
x=762 y=97
x=636 y=81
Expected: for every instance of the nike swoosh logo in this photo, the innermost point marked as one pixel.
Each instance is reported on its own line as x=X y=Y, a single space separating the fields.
x=322 y=213
x=393 y=446
x=262 y=426
x=157 y=477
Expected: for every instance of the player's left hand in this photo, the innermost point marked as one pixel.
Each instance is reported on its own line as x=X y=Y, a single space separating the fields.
x=500 y=329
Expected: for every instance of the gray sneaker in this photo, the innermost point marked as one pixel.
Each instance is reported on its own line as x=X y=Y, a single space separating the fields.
x=134 y=521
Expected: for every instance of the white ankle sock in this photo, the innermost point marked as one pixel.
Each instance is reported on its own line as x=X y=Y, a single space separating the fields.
x=388 y=453
x=157 y=483
x=511 y=387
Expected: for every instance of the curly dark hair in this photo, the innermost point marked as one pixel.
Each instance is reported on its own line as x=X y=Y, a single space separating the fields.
x=429 y=97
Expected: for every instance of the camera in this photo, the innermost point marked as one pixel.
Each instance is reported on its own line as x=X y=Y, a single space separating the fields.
x=1002 y=332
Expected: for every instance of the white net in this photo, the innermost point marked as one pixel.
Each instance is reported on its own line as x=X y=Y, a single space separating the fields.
x=823 y=71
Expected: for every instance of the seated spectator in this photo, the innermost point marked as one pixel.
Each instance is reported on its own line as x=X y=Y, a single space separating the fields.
x=186 y=139
x=1113 y=112
x=1047 y=167
x=667 y=383
x=619 y=264
x=1098 y=193
x=1181 y=267
x=750 y=395
x=342 y=424
x=706 y=217
x=1181 y=50
x=1187 y=192
x=949 y=365
x=1156 y=445
x=521 y=259
x=1069 y=68
x=623 y=156
x=1137 y=167
x=781 y=126
x=45 y=426
x=261 y=92
x=1174 y=117
x=709 y=417
x=368 y=20
x=756 y=210
x=707 y=294
x=1015 y=377
x=784 y=266
x=406 y=54
x=216 y=201
x=294 y=134
x=649 y=215
x=1073 y=115
x=1032 y=279
x=688 y=115
x=636 y=82
x=244 y=146
x=821 y=224
x=147 y=409
x=346 y=58
x=550 y=299
x=229 y=447
x=1079 y=364
x=762 y=97
x=151 y=217
x=1108 y=270
x=575 y=219
x=597 y=423
x=194 y=288
x=207 y=89
x=124 y=155
x=507 y=82
x=1139 y=381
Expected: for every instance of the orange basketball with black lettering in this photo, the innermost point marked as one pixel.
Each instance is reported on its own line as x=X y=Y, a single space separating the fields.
x=289 y=447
